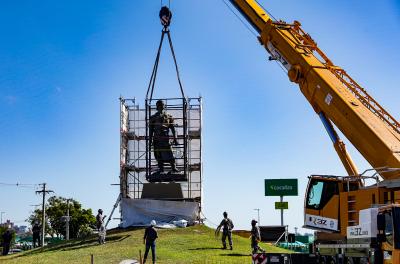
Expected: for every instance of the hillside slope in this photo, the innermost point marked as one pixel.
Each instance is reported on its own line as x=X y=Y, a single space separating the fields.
x=196 y=245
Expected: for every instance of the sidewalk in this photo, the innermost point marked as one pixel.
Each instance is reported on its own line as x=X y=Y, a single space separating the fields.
x=129 y=261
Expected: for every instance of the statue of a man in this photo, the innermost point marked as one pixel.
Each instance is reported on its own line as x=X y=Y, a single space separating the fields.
x=159 y=125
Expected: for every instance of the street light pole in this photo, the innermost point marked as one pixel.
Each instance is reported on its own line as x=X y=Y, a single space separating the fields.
x=281 y=211
x=1 y=217
x=258 y=214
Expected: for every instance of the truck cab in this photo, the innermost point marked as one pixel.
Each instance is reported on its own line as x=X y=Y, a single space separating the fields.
x=388 y=239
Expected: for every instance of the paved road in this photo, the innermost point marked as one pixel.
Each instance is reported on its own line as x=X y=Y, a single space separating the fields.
x=129 y=261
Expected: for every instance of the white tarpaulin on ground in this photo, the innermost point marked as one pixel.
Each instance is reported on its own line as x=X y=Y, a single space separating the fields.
x=139 y=212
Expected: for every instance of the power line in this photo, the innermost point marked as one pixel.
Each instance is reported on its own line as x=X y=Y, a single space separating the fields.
x=19 y=184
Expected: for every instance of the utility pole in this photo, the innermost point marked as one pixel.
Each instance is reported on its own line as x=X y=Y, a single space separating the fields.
x=43 y=192
x=258 y=214
x=67 y=222
x=281 y=211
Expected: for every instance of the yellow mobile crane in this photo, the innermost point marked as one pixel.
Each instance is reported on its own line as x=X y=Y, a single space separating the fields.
x=359 y=223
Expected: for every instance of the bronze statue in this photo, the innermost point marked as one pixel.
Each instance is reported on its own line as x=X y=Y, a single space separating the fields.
x=159 y=126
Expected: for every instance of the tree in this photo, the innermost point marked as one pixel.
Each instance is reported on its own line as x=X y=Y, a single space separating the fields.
x=56 y=209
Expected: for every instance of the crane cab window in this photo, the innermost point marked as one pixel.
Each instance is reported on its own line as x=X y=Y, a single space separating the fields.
x=389 y=228
x=350 y=186
x=320 y=192
x=396 y=227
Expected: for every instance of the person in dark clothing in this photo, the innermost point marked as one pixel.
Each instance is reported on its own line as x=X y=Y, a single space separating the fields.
x=227 y=224
x=100 y=226
x=36 y=235
x=255 y=237
x=7 y=237
x=149 y=239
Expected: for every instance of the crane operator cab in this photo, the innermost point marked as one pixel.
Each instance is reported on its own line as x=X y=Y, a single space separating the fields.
x=332 y=203
x=322 y=201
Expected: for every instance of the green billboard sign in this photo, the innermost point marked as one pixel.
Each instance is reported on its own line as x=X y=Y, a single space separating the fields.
x=281 y=187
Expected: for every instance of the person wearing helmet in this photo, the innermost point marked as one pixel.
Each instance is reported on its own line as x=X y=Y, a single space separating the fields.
x=159 y=126
x=149 y=239
x=100 y=226
x=227 y=224
x=255 y=237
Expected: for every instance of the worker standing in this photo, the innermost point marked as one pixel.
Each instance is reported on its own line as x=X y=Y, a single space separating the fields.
x=100 y=226
x=255 y=237
x=227 y=225
x=149 y=239
x=36 y=229
x=7 y=237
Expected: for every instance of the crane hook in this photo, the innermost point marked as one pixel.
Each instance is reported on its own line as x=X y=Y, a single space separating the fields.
x=165 y=16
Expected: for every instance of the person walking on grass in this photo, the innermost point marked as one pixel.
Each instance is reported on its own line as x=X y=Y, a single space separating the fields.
x=255 y=237
x=149 y=239
x=227 y=224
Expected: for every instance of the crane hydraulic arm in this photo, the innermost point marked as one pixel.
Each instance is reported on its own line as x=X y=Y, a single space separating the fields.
x=332 y=93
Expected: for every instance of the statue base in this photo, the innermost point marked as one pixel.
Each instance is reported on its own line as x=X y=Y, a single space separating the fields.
x=167 y=177
x=162 y=191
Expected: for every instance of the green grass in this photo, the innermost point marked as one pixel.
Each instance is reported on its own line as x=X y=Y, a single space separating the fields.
x=193 y=245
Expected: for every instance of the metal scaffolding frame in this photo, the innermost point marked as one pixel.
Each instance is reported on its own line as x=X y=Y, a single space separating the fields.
x=137 y=160
x=178 y=107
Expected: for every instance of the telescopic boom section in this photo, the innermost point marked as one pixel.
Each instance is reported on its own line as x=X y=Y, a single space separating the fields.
x=253 y=13
x=332 y=93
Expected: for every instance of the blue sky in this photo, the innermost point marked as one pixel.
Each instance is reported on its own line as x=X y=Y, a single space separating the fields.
x=65 y=64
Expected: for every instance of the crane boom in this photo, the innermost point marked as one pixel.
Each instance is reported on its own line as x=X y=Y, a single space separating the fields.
x=332 y=93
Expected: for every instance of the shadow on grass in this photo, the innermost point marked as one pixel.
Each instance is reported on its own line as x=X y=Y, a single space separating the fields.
x=66 y=246
x=205 y=248
x=235 y=255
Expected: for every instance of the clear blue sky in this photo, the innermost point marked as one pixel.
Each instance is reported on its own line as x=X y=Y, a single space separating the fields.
x=64 y=65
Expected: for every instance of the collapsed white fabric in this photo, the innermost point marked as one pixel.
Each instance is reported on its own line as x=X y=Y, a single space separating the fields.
x=139 y=212
x=180 y=223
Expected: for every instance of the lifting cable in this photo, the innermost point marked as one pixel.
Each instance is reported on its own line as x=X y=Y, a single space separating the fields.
x=169 y=3
x=165 y=18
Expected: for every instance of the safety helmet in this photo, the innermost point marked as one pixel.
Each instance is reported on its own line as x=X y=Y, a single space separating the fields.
x=153 y=223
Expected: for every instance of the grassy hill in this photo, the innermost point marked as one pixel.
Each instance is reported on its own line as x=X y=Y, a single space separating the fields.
x=177 y=246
